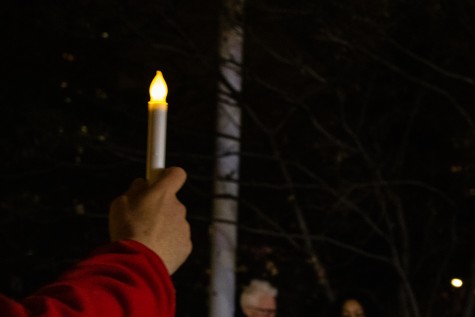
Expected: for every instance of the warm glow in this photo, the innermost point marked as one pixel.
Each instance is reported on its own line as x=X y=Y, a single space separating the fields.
x=456 y=282
x=158 y=89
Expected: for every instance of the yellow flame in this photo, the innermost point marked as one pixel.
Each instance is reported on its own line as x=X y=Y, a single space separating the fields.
x=158 y=89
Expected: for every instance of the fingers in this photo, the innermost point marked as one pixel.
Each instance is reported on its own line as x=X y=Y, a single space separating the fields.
x=137 y=186
x=171 y=179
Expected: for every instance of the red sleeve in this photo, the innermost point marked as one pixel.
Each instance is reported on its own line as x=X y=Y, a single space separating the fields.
x=121 y=279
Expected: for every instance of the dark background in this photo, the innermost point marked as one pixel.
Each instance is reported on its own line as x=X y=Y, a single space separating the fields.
x=358 y=114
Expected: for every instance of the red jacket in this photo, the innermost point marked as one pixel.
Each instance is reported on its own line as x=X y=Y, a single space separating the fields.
x=121 y=279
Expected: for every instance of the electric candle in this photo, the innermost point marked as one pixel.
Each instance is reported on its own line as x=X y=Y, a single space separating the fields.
x=157 y=126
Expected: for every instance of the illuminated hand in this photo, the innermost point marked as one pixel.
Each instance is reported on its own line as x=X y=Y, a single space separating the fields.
x=153 y=215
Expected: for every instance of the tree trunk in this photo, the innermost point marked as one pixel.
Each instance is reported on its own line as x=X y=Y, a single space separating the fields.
x=226 y=189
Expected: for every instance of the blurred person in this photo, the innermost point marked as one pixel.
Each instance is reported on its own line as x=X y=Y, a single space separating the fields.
x=258 y=299
x=352 y=308
x=150 y=240
x=354 y=304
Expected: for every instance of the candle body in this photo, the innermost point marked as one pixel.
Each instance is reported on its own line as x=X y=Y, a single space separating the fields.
x=157 y=127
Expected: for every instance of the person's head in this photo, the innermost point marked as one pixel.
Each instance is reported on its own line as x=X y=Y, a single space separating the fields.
x=355 y=304
x=259 y=299
x=351 y=307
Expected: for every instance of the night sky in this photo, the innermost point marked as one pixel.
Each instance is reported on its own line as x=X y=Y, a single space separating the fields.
x=359 y=115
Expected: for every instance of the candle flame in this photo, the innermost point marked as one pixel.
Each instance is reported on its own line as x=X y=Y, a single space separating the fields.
x=158 y=89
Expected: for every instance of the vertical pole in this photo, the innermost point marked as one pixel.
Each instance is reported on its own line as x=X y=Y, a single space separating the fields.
x=226 y=189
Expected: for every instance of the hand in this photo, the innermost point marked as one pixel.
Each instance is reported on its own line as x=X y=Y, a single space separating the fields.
x=153 y=215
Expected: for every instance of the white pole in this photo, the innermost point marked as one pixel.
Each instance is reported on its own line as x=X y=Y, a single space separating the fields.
x=226 y=188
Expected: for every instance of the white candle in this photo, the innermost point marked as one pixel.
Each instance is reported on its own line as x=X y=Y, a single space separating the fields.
x=157 y=127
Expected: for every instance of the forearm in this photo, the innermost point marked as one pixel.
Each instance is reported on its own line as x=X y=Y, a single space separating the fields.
x=123 y=279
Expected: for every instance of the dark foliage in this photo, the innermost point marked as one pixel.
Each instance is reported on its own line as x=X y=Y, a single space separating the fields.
x=358 y=114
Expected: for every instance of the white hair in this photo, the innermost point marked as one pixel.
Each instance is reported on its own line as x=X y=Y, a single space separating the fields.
x=254 y=290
